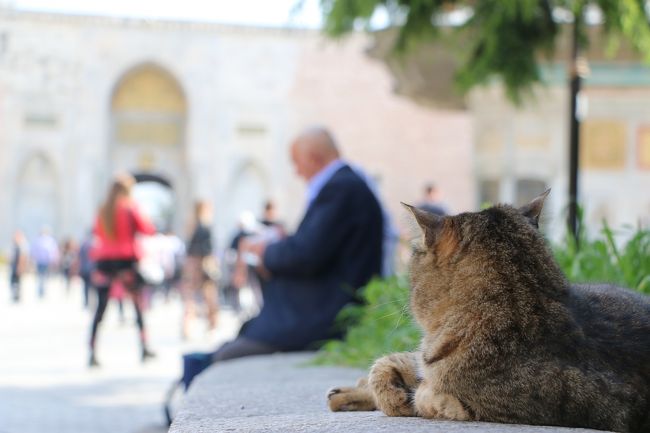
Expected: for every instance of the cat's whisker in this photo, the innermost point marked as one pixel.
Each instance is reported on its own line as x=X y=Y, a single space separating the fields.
x=399 y=320
x=388 y=315
x=404 y=311
x=383 y=304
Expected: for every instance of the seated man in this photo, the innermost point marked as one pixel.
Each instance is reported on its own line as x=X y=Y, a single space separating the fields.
x=313 y=273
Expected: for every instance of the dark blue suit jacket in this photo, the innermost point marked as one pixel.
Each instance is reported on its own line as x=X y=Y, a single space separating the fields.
x=336 y=249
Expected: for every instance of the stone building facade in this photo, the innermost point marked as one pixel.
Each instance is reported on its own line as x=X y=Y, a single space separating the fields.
x=207 y=109
x=208 y=112
x=520 y=151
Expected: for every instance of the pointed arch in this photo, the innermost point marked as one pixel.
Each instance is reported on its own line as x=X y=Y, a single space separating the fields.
x=148 y=86
x=37 y=195
x=149 y=107
x=148 y=116
x=247 y=190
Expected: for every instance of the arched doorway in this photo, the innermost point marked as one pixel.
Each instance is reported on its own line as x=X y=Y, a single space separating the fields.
x=37 y=197
x=148 y=118
x=155 y=196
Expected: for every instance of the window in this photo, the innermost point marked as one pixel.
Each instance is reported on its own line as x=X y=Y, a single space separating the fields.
x=40 y=120
x=489 y=192
x=251 y=130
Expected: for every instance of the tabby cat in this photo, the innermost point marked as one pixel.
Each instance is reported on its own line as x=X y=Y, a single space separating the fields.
x=507 y=338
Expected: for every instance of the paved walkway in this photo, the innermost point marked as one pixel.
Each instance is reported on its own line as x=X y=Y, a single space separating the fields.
x=45 y=385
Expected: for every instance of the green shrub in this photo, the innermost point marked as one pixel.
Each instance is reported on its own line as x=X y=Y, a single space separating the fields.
x=384 y=324
x=601 y=260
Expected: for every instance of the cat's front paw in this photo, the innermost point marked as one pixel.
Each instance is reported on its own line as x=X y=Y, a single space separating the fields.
x=392 y=392
x=429 y=404
x=345 y=399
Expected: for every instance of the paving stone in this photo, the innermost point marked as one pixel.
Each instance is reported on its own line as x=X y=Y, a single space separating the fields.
x=45 y=385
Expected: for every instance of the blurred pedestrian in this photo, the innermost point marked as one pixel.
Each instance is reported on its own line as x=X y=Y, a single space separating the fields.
x=69 y=265
x=269 y=217
x=45 y=253
x=173 y=257
x=199 y=271
x=151 y=266
x=246 y=277
x=116 y=253
x=432 y=201
x=19 y=263
x=247 y=225
x=86 y=266
x=243 y=278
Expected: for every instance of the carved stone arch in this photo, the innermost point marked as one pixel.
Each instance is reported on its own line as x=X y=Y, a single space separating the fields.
x=149 y=107
x=38 y=196
x=145 y=67
x=247 y=190
x=148 y=117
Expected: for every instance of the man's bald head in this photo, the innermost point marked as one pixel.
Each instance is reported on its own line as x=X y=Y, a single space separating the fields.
x=312 y=151
x=319 y=141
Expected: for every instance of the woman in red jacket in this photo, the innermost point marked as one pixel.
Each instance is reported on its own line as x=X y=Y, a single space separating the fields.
x=116 y=253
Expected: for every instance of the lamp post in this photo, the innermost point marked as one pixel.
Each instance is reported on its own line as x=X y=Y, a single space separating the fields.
x=577 y=71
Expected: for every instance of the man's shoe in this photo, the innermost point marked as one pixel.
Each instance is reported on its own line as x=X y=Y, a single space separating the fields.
x=147 y=355
x=93 y=361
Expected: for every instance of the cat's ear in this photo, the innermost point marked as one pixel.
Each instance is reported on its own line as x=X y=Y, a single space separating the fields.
x=430 y=223
x=533 y=209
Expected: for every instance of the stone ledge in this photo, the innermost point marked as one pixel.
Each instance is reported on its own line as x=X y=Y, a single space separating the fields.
x=280 y=393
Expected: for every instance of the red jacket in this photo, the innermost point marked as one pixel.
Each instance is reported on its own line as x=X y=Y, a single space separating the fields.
x=128 y=222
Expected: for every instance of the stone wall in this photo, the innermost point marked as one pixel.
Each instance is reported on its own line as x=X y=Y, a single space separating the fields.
x=247 y=91
x=520 y=151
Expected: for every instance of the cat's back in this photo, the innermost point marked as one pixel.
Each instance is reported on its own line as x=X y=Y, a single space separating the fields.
x=616 y=324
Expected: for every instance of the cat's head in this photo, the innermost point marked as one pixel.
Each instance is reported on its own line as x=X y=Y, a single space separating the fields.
x=458 y=256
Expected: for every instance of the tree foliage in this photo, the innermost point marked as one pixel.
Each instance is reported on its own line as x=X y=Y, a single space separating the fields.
x=502 y=38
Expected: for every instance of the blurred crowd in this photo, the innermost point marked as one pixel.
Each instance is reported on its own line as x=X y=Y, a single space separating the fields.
x=287 y=288
x=168 y=266
x=165 y=263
